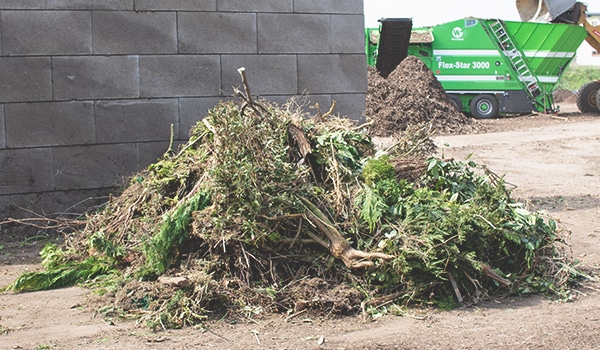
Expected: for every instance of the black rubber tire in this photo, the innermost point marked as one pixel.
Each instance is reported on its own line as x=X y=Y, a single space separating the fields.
x=484 y=107
x=456 y=102
x=586 y=99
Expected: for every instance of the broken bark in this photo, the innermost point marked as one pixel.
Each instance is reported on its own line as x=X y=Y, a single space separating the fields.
x=305 y=150
x=301 y=141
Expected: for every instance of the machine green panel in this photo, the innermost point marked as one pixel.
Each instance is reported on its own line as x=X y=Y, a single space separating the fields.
x=548 y=48
x=371 y=42
x=464 y=58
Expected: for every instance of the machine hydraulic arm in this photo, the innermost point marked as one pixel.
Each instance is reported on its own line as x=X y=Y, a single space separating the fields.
x=593 y=37
x=572 y=12
x=560 y=11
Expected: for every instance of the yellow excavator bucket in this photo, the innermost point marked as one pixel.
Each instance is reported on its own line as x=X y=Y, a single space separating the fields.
x=543 y=10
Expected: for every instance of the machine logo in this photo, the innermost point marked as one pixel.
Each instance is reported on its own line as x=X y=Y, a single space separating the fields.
x=457 y=33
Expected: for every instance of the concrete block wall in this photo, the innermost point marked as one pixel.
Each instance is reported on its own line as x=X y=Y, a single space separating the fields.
x=90 y=88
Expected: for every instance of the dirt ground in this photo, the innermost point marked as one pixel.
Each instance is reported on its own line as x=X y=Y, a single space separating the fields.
x=554 y=164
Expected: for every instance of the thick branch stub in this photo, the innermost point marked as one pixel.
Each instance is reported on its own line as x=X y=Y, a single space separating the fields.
x=338 y=246
x=488 y=271
x=248 y=101
x=242 y=72
x=356 y=259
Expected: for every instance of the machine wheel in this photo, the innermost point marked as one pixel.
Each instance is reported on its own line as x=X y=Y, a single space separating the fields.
x=484 y=107
x=456 y=102
x=586 y=98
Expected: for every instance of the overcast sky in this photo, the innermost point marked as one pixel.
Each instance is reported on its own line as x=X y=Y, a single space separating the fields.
x=432 y=12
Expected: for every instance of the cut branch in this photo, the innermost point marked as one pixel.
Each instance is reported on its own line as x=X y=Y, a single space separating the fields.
x=248 y=101
x=338 y=245
x=242 y=72
x=488 y=271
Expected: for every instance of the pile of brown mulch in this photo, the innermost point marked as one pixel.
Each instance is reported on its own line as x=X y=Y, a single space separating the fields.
x=565 y=96
x=411 y=95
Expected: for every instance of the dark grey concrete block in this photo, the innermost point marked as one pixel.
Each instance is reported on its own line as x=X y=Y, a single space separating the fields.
x=292 y=33
x=306 y=104
x=49 y=124
x=2 y=129
x=25 y=79
x=351 y=106
x=98 y=77
x=211 y=32
x=314 y=104
x=332 y=74
x=267 y=74
x=191 y=110
x=151 y=152
x=90 y=4
x=22 y=4
x=26 y=170
x=280 y=100
x=256 y=6
x=136 y=120
x=175 y=5
x=329 y=6
x=71 y=204
x=346 y=105
x=180 y=76
x=46 y=32
x=93 y=166
x=120 y=32
x=347 y=34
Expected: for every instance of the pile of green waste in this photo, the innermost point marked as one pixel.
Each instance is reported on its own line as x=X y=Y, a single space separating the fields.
x=266 y=209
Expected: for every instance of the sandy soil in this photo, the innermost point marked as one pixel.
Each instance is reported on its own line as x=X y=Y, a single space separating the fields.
x=553 y=162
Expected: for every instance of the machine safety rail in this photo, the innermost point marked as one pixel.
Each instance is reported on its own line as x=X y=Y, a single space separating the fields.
x=515 y=57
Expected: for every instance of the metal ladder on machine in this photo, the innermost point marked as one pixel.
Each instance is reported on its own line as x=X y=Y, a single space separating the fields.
x=516 y=58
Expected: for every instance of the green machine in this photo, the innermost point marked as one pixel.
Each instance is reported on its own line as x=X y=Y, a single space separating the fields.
x=488 y=67
x=372 y=41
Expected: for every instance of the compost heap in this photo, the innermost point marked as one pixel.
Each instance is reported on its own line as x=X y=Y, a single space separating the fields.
x=410 y=95
x=564 y=96
x=266 y=209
